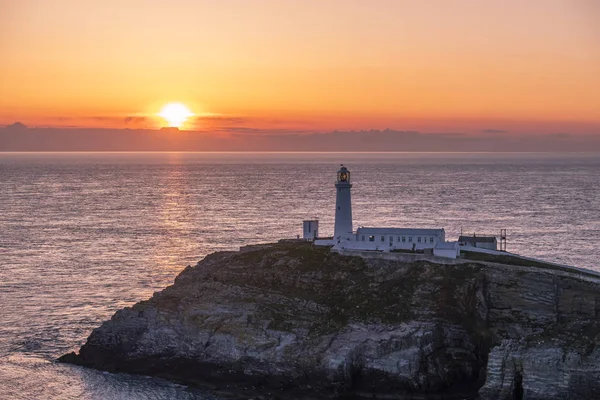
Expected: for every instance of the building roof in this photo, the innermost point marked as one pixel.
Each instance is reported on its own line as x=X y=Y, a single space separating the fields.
x=399 y=231
x=477 y=239
x=446 y=245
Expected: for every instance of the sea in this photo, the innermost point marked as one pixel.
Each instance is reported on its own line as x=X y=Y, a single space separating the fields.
x=85 y=234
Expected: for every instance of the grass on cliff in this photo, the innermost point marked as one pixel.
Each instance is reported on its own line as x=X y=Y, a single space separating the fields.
x=508 y=259
x=328 y=290
x=325 y=288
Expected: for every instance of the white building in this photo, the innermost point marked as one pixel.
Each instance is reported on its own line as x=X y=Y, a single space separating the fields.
x=398 y=238
x=310 y=229
x=446 y=249
x=378 y=239
x=483 y=242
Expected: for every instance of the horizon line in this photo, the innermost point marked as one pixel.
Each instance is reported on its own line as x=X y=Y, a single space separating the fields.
x=291 y=152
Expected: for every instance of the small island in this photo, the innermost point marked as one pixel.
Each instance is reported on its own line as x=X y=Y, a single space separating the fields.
x=292 y=320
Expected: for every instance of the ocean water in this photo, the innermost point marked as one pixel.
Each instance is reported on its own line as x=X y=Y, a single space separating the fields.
x=84 y=234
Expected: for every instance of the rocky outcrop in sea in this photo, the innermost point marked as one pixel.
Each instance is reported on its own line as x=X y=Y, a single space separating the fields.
x=294 y=321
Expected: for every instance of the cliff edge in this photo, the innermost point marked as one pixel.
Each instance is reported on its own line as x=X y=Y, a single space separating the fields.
x=295 y=321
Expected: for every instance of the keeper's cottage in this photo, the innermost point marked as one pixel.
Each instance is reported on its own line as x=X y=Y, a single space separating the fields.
x=375 y=239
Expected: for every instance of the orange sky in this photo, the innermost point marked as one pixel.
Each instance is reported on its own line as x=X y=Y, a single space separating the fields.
x=431 y=66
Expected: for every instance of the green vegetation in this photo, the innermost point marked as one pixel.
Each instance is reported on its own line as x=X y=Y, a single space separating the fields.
x=407 y=251
x=319 y=289
x=503 y=259
x=508 y=259
x=303 y=286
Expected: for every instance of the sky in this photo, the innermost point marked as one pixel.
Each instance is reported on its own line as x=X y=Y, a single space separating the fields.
x=283 y=67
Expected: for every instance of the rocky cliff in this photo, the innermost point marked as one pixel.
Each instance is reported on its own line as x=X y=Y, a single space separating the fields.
x=296 y=321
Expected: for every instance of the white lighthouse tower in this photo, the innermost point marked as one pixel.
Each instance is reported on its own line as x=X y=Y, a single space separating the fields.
x=343 y=206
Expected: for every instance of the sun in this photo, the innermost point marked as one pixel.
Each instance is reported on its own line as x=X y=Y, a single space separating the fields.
x=175 y=114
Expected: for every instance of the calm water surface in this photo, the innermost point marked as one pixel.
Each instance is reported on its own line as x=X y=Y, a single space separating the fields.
x=84 y=234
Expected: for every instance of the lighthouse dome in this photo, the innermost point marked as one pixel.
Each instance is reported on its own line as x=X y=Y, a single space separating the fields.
x=343 y=175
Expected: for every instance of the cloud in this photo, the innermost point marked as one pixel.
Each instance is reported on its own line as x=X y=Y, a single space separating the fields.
x=135 y=120
x=448 y=134
x=494 y=131
x=17 y=126
x=250 y=138
x=244 y=124
x=223 y=119
x=261 y=131
x=204 y=123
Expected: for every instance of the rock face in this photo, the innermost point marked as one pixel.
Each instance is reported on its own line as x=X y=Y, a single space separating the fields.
x=295 y=321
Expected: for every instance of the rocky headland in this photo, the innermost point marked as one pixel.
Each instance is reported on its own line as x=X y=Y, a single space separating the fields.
x=294 y=321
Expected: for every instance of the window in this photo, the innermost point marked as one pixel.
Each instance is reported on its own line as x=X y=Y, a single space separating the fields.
x=431 y=239
x=391 y=239
x=419 y=239
x=383 y=238
x=363 y=238
x=409 y=239
x=403 y=239
x=371 y=238
x=398 y=239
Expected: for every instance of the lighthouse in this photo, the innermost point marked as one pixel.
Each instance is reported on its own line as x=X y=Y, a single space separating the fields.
x=343 y=206
x=403 y=240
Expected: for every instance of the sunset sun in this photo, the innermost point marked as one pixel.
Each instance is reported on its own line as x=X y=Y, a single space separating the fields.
x=175 y=114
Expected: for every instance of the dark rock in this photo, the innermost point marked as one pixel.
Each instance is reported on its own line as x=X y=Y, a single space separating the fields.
x=71 y=358
x=296 y=321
